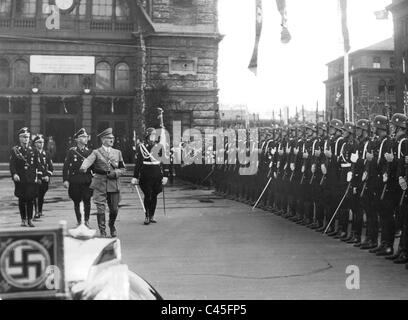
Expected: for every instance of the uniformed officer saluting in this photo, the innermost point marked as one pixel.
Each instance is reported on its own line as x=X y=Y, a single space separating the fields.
x=149 y=173
x=45 y=172
x=75 y=181
x=23 y=168
x=108 y=167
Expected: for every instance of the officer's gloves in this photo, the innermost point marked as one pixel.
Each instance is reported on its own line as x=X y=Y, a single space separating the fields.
x=305 y=155
x=323 y=168
x=292 y=166
x=296 y=151
x=317 y=153
x=273 y=151
x=402 y=183
x=303 y=169
x=164 y=181
x=364 y=177
x=16 y=178
x=287 y=150
x=66 y=184
x=385 y=177
x=389 y=157
x=328 y=153
x=369 y=156
x=354 y=157
x=134 y=181
x=349 y=176
x=46 y=178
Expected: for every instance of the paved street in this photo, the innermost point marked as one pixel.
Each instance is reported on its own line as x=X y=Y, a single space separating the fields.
x=212 y=248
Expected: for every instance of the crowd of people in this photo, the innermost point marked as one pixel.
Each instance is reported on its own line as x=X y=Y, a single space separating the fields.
x=346 y=180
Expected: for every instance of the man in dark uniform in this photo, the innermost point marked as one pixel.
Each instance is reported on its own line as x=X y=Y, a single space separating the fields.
x=149 y=173
x=24 y=167
x=45 y=172
x=75 y=181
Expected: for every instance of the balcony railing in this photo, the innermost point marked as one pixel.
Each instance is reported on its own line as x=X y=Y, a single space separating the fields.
x=24 y=23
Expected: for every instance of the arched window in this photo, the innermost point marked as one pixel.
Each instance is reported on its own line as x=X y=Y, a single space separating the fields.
x=103 y=76
x=26 y=8
x=122 y=10
x=122 y=76
x=381 y=87
x=5 y=8
x=20 y=74
x=4 y=73
x=102 y=9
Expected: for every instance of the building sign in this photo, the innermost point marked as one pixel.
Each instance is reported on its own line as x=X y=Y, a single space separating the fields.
x=62 y=64
x=31 y=263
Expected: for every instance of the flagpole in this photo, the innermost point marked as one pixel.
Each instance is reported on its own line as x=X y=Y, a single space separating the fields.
x=352 y=97
x=346 y=87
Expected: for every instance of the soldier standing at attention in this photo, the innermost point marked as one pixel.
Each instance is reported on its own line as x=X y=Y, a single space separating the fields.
x=75 y=181
x=149 y=173
x=23 y=168
x=45 y=172
x=108 y=168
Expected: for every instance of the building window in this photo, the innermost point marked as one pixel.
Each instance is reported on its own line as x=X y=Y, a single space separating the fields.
x=122 y=10
x=5 y=8
x=4 y=73
x=20 y=74
x=376 y=62
x=122 y=76
x=392 y=62
x=103 y=76
x=26 y=8
x=102 y=9
x=53 y=81
x=381 y=87
x=391 y=87
x=70 y=81
x=81 y=7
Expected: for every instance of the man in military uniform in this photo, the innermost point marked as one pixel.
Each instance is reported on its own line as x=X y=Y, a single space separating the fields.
x=24 y=167
x=149 y=173
x=45 y=172
x=74 y=180
x=108 y=168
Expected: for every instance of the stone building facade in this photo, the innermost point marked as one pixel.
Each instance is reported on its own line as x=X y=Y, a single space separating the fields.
x=372 y=77
x=109 y=63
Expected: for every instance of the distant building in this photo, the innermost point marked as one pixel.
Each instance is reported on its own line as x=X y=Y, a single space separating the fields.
x=372 y=77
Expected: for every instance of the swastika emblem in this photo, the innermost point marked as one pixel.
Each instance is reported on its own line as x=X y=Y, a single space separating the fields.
x=23 y=264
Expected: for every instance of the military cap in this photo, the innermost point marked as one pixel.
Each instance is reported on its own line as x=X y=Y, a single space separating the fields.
x=107 y=133
x=312 y=126
x=363 y=124
x=149 y=131
x=322 y=125
x=38 y=138
x=399 y=120
x=336 y=123
x=23 y=131
x=348 y=127
x=381 y=122
x=79 y=133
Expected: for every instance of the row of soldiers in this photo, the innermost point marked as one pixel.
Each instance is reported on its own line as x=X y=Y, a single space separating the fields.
x=328 y=176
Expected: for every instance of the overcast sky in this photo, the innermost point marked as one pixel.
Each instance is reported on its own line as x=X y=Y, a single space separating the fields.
x=289 y=74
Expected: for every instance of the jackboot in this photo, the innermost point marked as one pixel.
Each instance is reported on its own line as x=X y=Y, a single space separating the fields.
x=101 y=224
x=112 y=219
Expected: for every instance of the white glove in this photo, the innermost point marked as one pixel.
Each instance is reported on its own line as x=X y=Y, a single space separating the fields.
x=323 y=168
x=164 y=181
x=46 y=179
x=275 y=175
x=270 y=164
x=354 y=190
x=280 y=152
x=402 y=183
x=305 y=155
x=389 y=157
x=369 y=156
x=134 y=181
x=278 y=164
x=66 y=184
x=313 y=168
x=273 y=151
x=286 y=165
x=385 y=177
x=292 y=166
x=296 y=151
x=317 y=153
x=364 y=177
x=287 y=150
x=16 y=178
x=328 y=153
x=349 y=176
x=303 y=169
x=354 y=157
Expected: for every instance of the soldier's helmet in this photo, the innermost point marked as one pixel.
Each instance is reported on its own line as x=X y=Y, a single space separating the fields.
x=311 y=126
x=363 y=124
x=399 y=120
x=349 y=127
x=380 y=122
x=336 y=123
x=322 y=125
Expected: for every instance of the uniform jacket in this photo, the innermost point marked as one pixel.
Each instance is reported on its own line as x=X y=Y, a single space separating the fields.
x=25 y=163
x=108 y=168
x=46 y=167
x=73 y=161
x=155 y=171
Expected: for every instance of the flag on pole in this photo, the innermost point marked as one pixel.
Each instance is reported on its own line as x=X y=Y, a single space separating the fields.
x=381 y=14
x=285 y=35
x=253 y=65
x=346 y=38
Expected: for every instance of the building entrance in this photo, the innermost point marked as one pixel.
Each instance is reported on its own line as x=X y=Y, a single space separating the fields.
x=62 y=131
